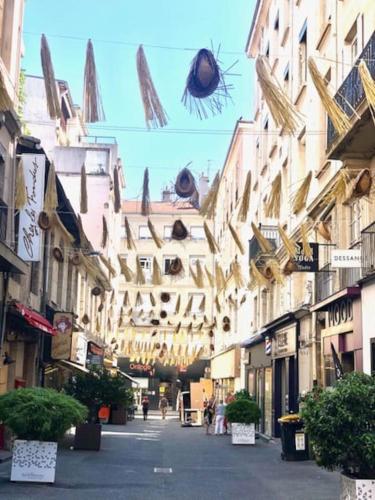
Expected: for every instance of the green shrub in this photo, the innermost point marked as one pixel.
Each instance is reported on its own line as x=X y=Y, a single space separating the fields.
x=40 y=414
x=340 y=423
x=244 y=394
x=243 y=411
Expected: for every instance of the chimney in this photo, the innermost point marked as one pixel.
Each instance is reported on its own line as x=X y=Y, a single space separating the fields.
x=166 y=195
x=202 y=187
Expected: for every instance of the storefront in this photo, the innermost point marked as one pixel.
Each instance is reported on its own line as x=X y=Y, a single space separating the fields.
x=258 y=377
x=341 y=333
x=368 y=330
x=225 y=372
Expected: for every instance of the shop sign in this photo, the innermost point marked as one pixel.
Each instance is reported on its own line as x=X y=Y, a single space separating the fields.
x=95 y=355
x=346 y=258
x=79 y=348
x=340 y=312
x=62 y=342
x=306 y=264
x=284 y=343
x=300 y=441
x=29 y=235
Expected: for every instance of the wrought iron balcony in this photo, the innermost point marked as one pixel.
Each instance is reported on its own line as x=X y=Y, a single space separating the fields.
x=271 y=234
x=368 y=249
x=324 y=284
x=351 y=94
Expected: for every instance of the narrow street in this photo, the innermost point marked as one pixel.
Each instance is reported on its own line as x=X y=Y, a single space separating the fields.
x=192 y=466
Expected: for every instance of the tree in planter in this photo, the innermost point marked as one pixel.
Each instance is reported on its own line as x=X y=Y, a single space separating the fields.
x=340 y=423
x=243 y=411
x=40 y=414
x=244 y=394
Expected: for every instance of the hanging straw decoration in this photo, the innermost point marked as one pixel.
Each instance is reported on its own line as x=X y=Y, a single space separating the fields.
x=50 y=197
x=236 y=238
x=97 y=325
x=53 y=100
x=158 y=241
x=198 y=277
x=210 y=277
x=156 y=273
x=145 y=210
x=126 y=301
x=178 y=304
x=237 y=275
x=245 y=203
x=125 y=269
x=272 y=207
x=154 y=111
x=129 y=238
x=217 y=304
x=152 y=300
x=189 y=306
x=92 y=103
x=306 y=248
x=220 y=278
x=282 y=109
x=368 y=84
x=300 y=198
x=338 y=117
x=264 y=244
x=138 y=300
x=202 y=305
x=273 y=265
x=104 y=232
x=83 y=197
x=20 y=197
x=341 y=188
x=214 y=247
x=178 y=329
x=208 y=206
x=139 y=277
x=243 y=300
x=116 y=190
x=290 y=246
x=260 y=280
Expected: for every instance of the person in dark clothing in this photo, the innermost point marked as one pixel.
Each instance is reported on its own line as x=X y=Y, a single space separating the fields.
x=145 y=405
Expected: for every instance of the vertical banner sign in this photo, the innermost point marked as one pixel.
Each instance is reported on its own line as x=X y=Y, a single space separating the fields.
x=62 y=342
x=29 y=234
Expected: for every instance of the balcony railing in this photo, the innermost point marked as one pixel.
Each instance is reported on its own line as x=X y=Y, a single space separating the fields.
x=271 y=234
x=351 y=93
x=368 y=249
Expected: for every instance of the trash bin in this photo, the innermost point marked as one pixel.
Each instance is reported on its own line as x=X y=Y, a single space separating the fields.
x=294 y=440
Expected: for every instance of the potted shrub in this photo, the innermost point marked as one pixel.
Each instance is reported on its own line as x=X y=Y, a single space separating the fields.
x=340 y=422
x=38 y=417
x=243 y=415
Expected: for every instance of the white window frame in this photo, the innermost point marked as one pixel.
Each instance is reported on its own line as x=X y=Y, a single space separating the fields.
x=146 y=265
x=355 y=221
x=144 y=233
x=200 y=233
x=167 y=232
x=197 y=299
x=193 y=261
x=171 y=258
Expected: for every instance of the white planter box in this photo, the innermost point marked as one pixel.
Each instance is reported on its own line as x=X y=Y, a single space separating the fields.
x=243 y=433
x=34 y=461
x=356 y=489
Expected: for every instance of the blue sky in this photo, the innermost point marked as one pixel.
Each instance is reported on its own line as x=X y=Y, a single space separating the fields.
x=171 y=23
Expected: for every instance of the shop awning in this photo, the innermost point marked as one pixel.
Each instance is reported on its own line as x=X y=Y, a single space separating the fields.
x=10 y=262
x=34 y=319
x=73 y=366
x=353 y=291
x=128 y=377
x=254 y=339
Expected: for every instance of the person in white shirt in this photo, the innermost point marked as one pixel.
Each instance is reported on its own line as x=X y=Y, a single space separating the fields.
x=220 y=414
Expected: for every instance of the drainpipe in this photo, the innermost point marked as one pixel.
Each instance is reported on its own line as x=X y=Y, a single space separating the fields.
x=4 y=307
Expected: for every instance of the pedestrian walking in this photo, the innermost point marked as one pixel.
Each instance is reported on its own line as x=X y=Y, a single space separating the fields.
x=209 y=412
x=145 y=405
x=163 y=406
x=220 y=414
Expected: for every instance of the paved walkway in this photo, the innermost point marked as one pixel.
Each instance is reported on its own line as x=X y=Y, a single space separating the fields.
x=160 y=460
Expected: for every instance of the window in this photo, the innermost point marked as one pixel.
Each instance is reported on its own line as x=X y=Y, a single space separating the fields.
x=96 y=161
x=167 y=232
x=197 y=300
x=144 y=233
x=197 y=233
x=302 y=55
x=355 y=221
x=193 y=261
x=167 y=261
x=146 y=265
x=34 y=278
x=352 y=42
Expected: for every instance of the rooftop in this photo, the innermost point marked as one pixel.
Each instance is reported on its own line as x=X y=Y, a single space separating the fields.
x=160 y=207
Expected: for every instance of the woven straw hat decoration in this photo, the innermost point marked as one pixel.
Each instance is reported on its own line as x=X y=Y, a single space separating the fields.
x=185 y=184
x=44 y=221
x=175 y=267
x=165 y=297
x=179 y=231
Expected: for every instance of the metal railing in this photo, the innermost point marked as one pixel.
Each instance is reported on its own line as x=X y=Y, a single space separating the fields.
x=97 y=139
x=368 y=249
x=350 y=95
x=324 y=284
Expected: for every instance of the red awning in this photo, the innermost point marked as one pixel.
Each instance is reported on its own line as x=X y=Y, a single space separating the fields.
x=35 y=319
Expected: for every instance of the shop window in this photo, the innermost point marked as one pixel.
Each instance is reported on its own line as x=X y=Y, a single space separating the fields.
x=144 y=233
x=329 y=371
x=302 y=55
x=347 y=361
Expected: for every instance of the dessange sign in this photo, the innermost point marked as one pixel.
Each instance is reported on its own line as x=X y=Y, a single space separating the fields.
x=346 y=258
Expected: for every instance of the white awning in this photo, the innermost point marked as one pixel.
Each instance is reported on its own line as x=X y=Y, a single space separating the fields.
x=128 y=377
x=73 y=366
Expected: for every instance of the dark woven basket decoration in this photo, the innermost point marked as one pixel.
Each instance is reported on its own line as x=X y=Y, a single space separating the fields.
x=176 y=267
x=44 y=221
x=96 y=291
x=57 y=253
x=226 y=319
x=212 y=347
x=85 y=319
x=226 y=327
x=205 y=85
x=75 y=259
x=179 y=231
x=185 y=184
x=155 y=322
x=210 y=333
x=165 y=297
x=163 y=314
x=157 y=345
